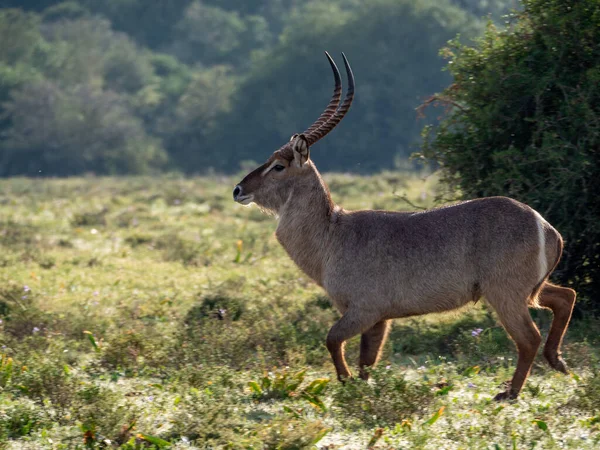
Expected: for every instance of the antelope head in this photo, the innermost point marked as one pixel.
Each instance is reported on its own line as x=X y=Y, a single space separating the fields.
x=289 y=167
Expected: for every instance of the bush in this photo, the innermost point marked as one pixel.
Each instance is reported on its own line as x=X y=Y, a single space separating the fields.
x=89 y=218
x=210 y=416
x=524 y=121
x=17 y=235
x=64 y=132
x=20 y=418
x=104 y=414
x=290 y=434
x=216 y=306
x=387 y=399
x=45 y=380
x=471 y=338
x=188 y=252
x=589 y=395
x=240 y=332
x=20 y=314
x=123 y=350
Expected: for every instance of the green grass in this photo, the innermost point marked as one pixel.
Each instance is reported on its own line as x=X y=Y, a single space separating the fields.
x=156 y=313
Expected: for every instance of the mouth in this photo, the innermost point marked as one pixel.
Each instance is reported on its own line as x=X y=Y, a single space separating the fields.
x=245 y=199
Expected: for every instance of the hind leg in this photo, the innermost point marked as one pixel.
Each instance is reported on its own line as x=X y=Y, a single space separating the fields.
x=561 y=301
x=514 y=316
x=371 y=343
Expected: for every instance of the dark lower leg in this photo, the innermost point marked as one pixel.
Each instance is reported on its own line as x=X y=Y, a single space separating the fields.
x=351 y=324
x=526 y=336
x=336 y=350
x=525 y=361
x=371 y=343
x=561 y=301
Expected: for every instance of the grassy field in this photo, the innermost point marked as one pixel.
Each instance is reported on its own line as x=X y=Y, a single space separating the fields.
x=156 y=313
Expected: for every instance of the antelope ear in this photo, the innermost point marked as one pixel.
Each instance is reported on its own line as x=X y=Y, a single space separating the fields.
x=300 y=149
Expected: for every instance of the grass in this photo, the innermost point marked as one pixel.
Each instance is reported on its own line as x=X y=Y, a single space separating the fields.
x=156 y=313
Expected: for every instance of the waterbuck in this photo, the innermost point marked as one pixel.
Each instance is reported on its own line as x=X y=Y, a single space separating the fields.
x=381 y=265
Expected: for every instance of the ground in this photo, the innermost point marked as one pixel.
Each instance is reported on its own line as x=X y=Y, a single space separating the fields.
x=157 y=313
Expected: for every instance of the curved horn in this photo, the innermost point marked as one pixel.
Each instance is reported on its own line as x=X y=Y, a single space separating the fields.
x=322 y=131
x=333 y=103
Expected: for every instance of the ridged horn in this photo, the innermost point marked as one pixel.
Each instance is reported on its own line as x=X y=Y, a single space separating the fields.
x=334 y=119
x=333 y=103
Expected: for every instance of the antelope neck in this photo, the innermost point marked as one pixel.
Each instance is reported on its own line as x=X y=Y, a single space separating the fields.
x=304 y=226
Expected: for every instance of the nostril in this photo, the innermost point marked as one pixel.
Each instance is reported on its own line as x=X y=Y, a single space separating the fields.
x=237 y=191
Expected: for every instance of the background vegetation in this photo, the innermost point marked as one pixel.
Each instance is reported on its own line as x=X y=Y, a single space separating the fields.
x=130 y=86
x=156 y=313
x=123 y=86
x=525 y=122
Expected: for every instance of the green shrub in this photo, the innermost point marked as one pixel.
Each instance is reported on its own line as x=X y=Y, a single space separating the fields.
x=283 y=384
x=13 y=234
x=177 y=248
x=21 y=417
x=20 y=313
x=122 y=350
x=589 y=395
x=386 y=400
x=291 y=434
x=216 y=306
x=104 y=414
x=47 y=380
x=210 y=416
x=310 y=326
x=137 y=239
x=225 y=330
x=419 y=336
x=131 y=216
x=222 y=342
x=46 y=261
x=524 y=110
x=89 y=218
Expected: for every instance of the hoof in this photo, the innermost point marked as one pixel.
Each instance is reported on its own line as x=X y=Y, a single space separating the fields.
x=506 y=395
x=343 y=378
x=558 y=364
x=364 y=373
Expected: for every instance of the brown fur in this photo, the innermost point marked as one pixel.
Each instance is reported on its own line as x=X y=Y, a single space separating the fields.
x=381 y=265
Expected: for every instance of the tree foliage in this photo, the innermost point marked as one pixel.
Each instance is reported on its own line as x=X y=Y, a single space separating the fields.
x=391 y=46
x=524 y=121
x=206 y=84
x=60 y=132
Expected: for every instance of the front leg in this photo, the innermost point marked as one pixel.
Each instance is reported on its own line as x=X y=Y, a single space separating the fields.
x=371 y=343
x=353 y=322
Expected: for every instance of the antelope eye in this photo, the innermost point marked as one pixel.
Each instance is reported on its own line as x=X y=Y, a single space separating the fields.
x=278 y=168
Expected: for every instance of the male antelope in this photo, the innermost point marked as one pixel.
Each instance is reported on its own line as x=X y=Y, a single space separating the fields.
x=381 y=265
